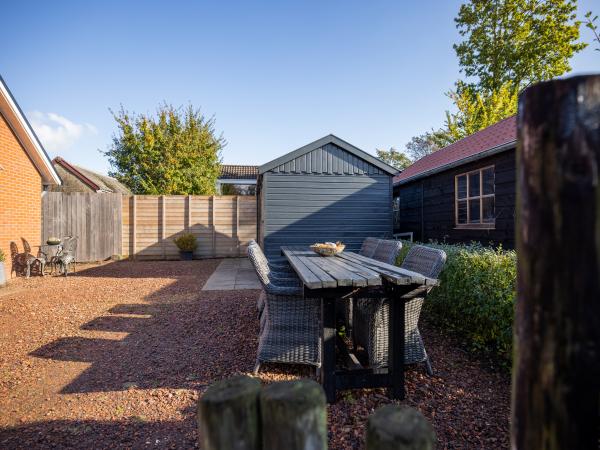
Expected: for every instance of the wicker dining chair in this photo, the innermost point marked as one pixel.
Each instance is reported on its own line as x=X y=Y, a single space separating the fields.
x=387 y=251
x=290 y=331
x=371 y=316
x=281 y=273
x=380 y=249
x=368 y=247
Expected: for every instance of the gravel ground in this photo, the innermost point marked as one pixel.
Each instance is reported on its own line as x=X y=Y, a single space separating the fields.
x=117 y=355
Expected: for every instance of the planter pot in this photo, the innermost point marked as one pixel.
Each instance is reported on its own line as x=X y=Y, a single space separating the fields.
x=2 y=274
x=186 y=256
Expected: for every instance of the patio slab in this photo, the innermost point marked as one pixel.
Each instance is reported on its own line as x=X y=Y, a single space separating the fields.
x=233 y=274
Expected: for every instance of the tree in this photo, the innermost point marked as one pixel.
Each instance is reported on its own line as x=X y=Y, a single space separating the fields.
x=394 y=158
x=176 y=152
x=590 y=22
x=516 y=41
x=478 y=109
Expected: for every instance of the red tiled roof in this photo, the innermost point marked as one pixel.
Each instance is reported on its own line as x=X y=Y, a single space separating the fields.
x=231 y=171
x=493 y=136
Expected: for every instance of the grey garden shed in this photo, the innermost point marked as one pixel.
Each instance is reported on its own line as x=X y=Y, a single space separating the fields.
x=328 y=190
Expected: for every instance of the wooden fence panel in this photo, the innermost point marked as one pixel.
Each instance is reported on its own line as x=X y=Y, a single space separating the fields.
x=94 y=218
x=223 y=225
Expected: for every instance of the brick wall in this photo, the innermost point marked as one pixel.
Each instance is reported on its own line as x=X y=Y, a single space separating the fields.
x=20 y=195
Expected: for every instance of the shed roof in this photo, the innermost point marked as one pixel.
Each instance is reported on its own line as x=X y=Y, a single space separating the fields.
x=96 y=181
x=12 y=113
x=498 y=137
x=329 y=139
x=238 y=172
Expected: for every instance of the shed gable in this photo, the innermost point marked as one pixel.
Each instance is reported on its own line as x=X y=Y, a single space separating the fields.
x=328 y=159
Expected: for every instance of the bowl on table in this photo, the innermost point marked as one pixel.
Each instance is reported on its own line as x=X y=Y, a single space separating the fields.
x=328 y=248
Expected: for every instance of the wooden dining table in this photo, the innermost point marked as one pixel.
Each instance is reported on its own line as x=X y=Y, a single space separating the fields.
x=351 y=275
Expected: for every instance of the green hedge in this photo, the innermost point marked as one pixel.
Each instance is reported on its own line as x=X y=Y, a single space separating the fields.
x=476 y=296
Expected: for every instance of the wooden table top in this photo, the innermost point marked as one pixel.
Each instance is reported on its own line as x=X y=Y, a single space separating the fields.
x=347 y=269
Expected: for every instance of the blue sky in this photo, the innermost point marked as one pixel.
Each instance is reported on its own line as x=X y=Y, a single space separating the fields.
x=276 y=75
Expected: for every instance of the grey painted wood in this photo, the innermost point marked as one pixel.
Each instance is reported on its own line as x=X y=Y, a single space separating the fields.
x=390 y=272
x=347 y=269
x=96 y=219
x=301 y=209
x=292 y=161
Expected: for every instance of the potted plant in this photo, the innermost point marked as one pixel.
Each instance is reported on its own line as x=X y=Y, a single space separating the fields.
x=186 y=243
x=2 y=274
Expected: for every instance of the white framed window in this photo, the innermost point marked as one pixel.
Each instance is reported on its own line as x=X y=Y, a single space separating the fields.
x=475 y=198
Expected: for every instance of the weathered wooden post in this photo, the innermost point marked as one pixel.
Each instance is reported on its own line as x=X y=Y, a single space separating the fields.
x=294 y=416
x=228 y=415
x=394 y=427
x=556 y=375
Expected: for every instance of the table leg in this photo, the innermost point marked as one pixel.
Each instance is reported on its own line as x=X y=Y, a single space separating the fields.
x=396 y=346
x=328 y=352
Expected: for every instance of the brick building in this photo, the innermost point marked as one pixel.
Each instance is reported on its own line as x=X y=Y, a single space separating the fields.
x=25 y=172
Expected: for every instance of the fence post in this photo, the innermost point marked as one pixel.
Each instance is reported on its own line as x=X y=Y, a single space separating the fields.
x=214 y=230
x=228 y=415
x=394 y=427
x=163 y=223
x=555 y=398
x=237 y=224
x=294 y=416
x=133 y=226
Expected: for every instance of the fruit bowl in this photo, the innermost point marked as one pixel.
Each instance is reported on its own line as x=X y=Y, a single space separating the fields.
x=328 y=248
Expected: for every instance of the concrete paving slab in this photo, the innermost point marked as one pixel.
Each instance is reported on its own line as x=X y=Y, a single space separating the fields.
x=233 y=274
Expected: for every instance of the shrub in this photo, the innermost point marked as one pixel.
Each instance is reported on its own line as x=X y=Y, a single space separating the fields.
x=186 y=242
x=1 y=256
x=476 y=296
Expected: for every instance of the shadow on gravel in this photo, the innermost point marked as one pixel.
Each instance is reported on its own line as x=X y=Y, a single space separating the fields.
x=134 y=432
x=182 y=338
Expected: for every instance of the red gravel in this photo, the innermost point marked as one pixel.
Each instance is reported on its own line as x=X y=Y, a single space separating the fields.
x=116 y=356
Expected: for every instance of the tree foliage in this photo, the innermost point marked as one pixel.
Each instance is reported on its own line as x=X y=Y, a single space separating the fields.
x=394 y=158
x=478 y=109
x=590 y=22
x=423 y=145
x=516 y=41
x=175 y=152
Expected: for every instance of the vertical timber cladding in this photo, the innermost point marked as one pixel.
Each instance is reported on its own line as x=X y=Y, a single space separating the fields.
x=96 y=220
x=326 y=191
x=222 y=225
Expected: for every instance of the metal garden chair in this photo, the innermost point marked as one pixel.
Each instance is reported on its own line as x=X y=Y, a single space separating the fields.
x=371 y=317
x=67 y=255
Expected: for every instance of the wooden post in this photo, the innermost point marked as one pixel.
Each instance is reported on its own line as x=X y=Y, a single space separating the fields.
x=555 y=398
x=294 y=416
x=228 y=415
x=394 y=427
x=237 y=224
x=163 y=223
x=133 y=227
x=214 y=230
x=188 y=227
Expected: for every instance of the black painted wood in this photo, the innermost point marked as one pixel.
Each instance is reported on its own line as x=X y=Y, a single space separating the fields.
x=427 y=205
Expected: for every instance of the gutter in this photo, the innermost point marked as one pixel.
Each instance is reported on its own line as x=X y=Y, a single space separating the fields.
x=489 y=152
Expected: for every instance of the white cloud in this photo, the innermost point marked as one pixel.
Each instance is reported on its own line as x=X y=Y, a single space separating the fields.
x=56 y=132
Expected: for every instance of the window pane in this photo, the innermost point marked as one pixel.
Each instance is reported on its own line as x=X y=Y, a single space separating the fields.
x=462 y=211
x=474 y=211
x=474 y=184
x=488 y=181
x=488 y=210
x=461 y=186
